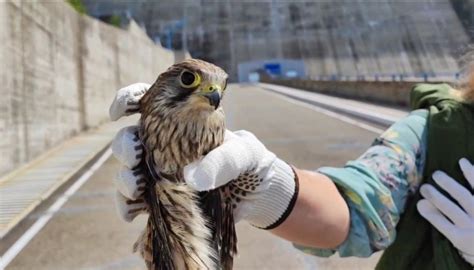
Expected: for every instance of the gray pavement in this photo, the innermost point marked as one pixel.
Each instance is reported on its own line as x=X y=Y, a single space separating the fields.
x=87 y=234
x=24 y=189
x=375 y=113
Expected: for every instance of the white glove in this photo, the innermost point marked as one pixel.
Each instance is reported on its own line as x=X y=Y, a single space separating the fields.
x=263 y=187
x=454 y=222
x=129 y=181
x=126 y=100
x=127 y=148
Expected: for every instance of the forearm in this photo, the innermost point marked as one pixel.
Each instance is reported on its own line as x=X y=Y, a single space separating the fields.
x=320 y=217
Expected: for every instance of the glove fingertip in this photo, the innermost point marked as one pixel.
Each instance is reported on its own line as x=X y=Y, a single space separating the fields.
x=425 y=191
x=464 y=162
x=126 y=148
x=244 y=133
x=210 y=174
x=426 y=210
x=115 y=111
x=122 y=207
x=422 y=205
x=196 y=178
x=437 y=174
x=229 y=135
x=112 y=115
x=126 y=183
x=468 y=170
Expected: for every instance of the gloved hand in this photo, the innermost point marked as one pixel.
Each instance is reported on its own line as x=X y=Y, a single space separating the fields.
x=126 y=100
x=454 y=222
x=127 y=148
x=263 y=187
x=263 y=191
x=129 y=181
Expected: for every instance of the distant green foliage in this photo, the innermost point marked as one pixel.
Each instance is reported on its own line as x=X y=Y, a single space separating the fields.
x=77 y=5
x=115 y=20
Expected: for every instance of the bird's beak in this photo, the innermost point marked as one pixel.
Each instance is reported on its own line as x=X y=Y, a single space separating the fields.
x=213 y=94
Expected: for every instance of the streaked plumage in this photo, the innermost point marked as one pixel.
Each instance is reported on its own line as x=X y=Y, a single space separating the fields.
x=179 y=124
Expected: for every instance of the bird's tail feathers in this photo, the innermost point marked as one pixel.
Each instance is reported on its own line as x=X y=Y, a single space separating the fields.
x=183 y=231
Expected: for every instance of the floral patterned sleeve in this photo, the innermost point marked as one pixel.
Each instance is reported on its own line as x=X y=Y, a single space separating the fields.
x=376 y=185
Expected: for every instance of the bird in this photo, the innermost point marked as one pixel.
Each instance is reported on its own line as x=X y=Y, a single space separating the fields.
x=181 y=121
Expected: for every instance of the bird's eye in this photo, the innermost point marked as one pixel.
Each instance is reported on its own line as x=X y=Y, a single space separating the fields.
x=189 y=79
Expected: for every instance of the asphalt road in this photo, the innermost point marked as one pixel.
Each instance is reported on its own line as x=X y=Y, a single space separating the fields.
x=87 y=234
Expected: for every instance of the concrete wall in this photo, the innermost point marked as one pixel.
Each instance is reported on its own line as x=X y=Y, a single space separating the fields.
x=59 y=72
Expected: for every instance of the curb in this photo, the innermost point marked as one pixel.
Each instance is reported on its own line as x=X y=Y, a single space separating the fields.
x=362 y=114
x=62 y=182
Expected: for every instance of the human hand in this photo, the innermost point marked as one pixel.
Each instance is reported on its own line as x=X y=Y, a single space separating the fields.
x=126 y=100
x=130 y=181
x=262 y=187
x=455 y=222
x=127 y=148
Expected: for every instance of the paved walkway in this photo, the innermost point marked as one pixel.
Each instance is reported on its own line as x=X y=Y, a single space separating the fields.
x=24 y=189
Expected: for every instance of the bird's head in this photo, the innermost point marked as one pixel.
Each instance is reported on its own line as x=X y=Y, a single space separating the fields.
x=190 y=85
x=181 y=116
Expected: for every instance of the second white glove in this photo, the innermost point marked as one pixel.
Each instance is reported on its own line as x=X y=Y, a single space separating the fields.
x=455 y=222
x=127 y=148
x=129 y=181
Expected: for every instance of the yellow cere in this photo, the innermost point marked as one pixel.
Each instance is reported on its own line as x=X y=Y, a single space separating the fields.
x=211 y=88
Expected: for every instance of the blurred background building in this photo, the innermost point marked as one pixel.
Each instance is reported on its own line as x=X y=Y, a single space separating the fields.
x=343 y=39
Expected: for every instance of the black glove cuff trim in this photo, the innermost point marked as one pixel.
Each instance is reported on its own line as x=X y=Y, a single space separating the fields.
x=290 y=207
